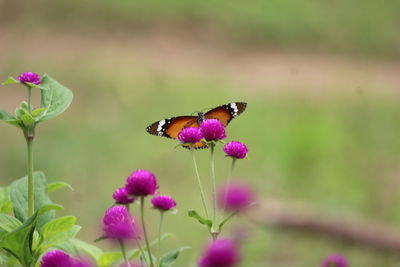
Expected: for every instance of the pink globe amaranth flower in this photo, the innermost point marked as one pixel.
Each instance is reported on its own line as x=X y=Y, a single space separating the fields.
x=141 y=183
x=29 y=77
x=121 y=196
x=334 y=260
x=212 y=130
x=190 y=135
x=235 y=196
x=236 y=150
x=220 y=253
x=163 y=202
x=118 y=224
x=56 y=258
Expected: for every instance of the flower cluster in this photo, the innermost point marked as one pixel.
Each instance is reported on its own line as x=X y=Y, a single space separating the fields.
x=119 y=224
x=58 y=258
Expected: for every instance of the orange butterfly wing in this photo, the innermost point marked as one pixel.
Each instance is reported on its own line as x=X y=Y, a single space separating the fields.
x=226 y=113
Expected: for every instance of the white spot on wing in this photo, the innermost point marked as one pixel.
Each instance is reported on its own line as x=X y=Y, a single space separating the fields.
x=235 y=109
x=160 y=126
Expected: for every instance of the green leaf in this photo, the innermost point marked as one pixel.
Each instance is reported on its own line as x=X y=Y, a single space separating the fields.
x=54 y=97
x=5 y=116
x=5 y=201
x=89 y=249
x=8 y=223
x=59 y=238
x=195 y=214
x=224 y=221
x=27 y=120
x=169 y=258
x=10 y=80
x=19 y=198
x=109 y=258
x=19 y=241
x=57 y=226
x=37 y=112
x=51 y=187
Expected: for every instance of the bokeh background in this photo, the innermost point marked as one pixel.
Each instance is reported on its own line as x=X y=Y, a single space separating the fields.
x=322 y=125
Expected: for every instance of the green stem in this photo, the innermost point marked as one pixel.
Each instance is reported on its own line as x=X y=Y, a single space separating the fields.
x=214 y=189
x=159 y=233
x=203 y=199
x=144 y=231
x=29 y=99
x=31 y=199
x=121 y=243
x=141 y=250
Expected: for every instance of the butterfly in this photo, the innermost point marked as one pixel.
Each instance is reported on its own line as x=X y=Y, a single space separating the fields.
x=171 y=127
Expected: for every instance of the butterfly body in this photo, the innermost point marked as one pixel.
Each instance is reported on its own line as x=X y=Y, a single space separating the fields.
x=171 y=127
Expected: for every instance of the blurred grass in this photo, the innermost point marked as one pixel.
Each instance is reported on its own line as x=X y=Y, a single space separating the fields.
x=356 y=27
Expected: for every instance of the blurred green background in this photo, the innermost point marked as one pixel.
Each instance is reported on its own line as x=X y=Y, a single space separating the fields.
x=322 y=125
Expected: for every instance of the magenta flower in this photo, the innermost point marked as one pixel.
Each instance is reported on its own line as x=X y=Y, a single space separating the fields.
x=235 y=196
x=29 y=77
x=163 y=202
x=56 y=258
x=190 y=135
x=212 y=130
x=121 y=196
x=141 y=183
x=118 y=224
x=236 y=150
x=334 y=260
x=220 y=253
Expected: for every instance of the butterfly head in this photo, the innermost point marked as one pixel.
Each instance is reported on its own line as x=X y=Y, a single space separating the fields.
x=200 y=117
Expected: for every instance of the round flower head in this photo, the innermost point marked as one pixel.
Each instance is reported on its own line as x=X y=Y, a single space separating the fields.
x=190 y=135
x=29 y=77
x=334 y=260
x=56 y=258
x=163 y=202
x=141 y=183
x=121 y=196
x=212 y=130
x=118 y=224
x=235 y=196
x=220 y=253
x=236 y=150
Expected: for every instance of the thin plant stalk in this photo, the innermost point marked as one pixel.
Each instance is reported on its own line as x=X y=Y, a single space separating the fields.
x=29 y=99
x=29 y=142
x=203 y=199
x=141 y=250
x=122 y=245
x=159 y=232
x=144 y=230
x=214 y=189
x=31 y=199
